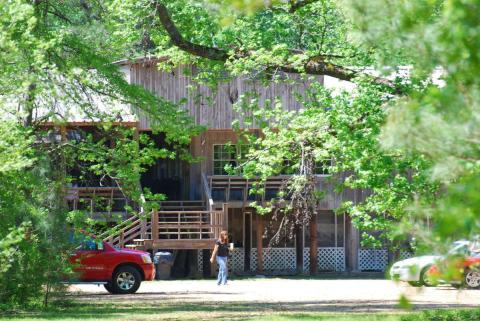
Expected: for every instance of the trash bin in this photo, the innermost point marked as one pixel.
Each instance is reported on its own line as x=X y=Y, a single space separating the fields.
x=163 y=264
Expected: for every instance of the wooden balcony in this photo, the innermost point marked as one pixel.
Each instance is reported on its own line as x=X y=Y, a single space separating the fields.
x=103 y=203
x=233 y=189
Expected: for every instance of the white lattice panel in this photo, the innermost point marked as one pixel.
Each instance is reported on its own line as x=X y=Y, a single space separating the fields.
x=306 y=259
x=275 y=259
x=328 y=259
x=200 y=260
x=405 y=255
x=236 y=261
x=372 y=260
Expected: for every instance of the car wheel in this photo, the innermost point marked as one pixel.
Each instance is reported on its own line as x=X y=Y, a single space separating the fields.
x=472 y=279
x=425 y=278
x=126 y=280
x=415 y=283
x=108 y=287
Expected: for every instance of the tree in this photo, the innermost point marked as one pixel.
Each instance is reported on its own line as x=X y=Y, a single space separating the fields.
x=440 y=120
x=55 y=69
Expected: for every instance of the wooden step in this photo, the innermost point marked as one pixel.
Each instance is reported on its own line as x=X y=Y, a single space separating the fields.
x=139 y=242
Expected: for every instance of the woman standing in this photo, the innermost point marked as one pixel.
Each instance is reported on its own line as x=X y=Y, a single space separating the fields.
x=220 y=251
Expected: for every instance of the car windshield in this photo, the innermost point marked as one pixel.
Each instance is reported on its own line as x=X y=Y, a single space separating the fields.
x=459 y=248
x=465 y=248
x=85 y=242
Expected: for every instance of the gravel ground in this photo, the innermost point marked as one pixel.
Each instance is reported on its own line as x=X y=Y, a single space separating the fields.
x=291 y=294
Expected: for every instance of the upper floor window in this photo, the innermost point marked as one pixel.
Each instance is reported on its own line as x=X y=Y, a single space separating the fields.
x=322 y=167
x=231 y=155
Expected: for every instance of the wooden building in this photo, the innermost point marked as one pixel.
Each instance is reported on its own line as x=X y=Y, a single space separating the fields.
x=203 y=199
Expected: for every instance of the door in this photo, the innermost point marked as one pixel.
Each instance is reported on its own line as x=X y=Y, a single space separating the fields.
x=89 y=262
x=167 y=176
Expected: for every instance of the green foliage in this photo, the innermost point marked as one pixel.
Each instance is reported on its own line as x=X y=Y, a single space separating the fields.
x=256 y=36
x=56 y=69
x=444 y=315
x=31 y=228
x=344 y=128
x=440 y=121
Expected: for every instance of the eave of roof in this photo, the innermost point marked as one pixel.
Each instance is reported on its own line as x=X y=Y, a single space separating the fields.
x=138 y=60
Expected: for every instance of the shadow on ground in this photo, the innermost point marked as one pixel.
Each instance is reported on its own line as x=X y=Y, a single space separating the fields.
x=208 y=310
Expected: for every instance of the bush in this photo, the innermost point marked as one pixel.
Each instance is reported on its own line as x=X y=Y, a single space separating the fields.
x=445 y=315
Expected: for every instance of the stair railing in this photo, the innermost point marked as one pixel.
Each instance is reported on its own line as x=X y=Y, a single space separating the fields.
x=207 y=193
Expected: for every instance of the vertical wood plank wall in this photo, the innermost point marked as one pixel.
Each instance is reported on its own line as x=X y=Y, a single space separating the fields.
x=206 y=107
x=217 y=114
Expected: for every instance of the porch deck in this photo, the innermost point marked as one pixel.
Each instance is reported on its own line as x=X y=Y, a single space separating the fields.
x=174 y=229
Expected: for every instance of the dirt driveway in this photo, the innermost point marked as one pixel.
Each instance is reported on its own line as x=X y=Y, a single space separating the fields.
x=291 y=294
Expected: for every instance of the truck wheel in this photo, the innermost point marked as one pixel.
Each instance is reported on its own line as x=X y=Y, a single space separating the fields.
x=108 y=287
x=126 y=280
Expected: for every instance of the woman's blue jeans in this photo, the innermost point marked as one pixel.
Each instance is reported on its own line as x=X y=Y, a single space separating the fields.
x=222 y=270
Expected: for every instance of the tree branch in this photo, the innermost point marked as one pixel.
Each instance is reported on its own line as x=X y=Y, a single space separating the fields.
x=312 y=66
x=177 y=39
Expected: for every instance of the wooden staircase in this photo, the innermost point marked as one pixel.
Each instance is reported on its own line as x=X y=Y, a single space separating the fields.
x=175 y=225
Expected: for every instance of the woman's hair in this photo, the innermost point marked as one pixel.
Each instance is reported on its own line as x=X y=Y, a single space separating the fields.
x=224 y=236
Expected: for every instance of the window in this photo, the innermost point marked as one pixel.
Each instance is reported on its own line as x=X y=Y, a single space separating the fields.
x=322 y=167
x=224 y=155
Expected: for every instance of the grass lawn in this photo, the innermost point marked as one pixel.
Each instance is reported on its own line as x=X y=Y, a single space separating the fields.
x=187 y=311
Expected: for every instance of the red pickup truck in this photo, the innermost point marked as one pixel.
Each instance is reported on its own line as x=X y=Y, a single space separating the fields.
x=120 y=270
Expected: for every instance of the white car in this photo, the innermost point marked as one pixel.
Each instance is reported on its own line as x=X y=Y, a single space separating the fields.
x=414 y=270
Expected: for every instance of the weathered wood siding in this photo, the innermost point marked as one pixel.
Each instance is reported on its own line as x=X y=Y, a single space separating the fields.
x=333 y=199
x=215 y=111
x=206 y=107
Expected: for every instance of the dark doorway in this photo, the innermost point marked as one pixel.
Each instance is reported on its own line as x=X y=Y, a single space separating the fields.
x=167 y=176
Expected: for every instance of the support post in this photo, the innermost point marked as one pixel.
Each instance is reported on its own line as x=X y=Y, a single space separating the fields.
x=121 y=240
x=259 y=243
x=154 y=223
x=352 y=245
x=313 y=245
x=143 y=228
x=299 y=249
x=225 y=217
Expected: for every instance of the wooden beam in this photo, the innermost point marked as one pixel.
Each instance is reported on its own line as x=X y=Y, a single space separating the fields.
x=154 y=223
x=184 y=244
x=225 y=216
x=259 y=243
x=313 y=245
x=299 y=249
x=352 y=245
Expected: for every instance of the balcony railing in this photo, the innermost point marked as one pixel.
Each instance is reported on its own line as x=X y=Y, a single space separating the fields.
x=226 y=188
x=98 y=201
x=170 y=229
